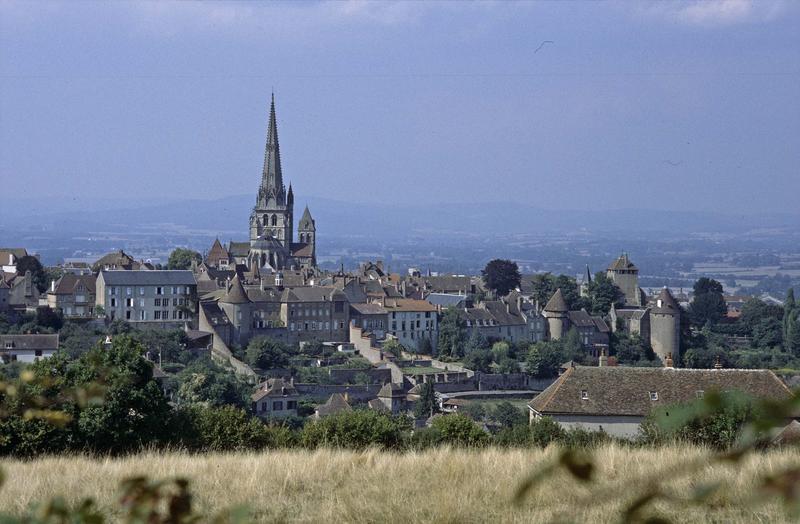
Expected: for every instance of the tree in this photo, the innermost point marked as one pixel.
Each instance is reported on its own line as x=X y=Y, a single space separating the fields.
x=49 y=318
x=543 y=286
x=708 y=304
x=501 y=276
x=182 y=258
x=544 y=359
x=507 y=415
x=39 y=275
x=767 y=333
x=204 y=382
x=573 y=346
x=603 y=293
x=426 y=406
x=357 y=429
x=478 y=360
x=572 y=295
x=228 y=428
x=266 y=353
x=476 y=341
x=394 y=347
x=451 y=334
x=459 y=430
x=424 y=347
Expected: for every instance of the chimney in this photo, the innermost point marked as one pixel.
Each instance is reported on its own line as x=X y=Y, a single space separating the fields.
x=347 y=397
x=602 y=361
x=668 y=361
x=53 y=286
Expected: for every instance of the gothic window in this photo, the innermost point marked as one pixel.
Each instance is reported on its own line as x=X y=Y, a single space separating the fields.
x=274 y=220
x=264 y=220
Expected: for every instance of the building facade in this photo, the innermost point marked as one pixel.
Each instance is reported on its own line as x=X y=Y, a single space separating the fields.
x=167 y=297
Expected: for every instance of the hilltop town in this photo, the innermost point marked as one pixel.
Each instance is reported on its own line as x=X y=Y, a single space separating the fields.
x=272 y=332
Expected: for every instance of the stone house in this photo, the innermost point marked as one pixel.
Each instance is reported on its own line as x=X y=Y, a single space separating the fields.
x=155 y=297
x=275 y=398
x=617 y=399
x=74 y=295
x=370 y=317
x=411 y=321
x=393 y=397
x=27 y=348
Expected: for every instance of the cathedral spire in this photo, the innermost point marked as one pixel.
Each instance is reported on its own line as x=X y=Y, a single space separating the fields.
x=272 y=177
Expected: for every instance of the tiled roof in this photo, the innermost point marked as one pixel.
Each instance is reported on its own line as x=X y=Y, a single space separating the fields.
x=557 y=304
x=626 y=390
x=236 y=293
x=336 y=403
x=368 y=308
x=665 y=304
x=301 y=249
x=149 y=277
x=623 y=262
x=408 y=304
x=68 y=283
x=274 y=387
x=29 y=342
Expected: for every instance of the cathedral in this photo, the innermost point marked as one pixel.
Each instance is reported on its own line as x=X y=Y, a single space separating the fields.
x=272 y=245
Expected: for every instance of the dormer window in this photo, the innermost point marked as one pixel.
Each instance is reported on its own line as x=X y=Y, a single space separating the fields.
x=9 y=345
x=654 y=395
x=584 y=395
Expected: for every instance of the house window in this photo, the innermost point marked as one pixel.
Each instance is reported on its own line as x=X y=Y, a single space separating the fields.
x=156 y=315
x=159 y=291
x=584 y=395
x=142 y=315
x=129 y=302
x=9 y=345
x=174 y=290
x=141 y=291
x=187 y=291
x=113 y=302
x=37 y=353
x=157 y=302
x=141 y=302
x=291 y=404
x=112 y=291
x=277 y=405
x=127 y=315
x=654 y=395
x=128 y=291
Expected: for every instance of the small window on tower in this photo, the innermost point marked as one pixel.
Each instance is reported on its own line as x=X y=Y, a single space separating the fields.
x=584 y=395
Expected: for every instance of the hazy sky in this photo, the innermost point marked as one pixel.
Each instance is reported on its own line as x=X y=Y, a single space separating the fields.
x=652 y=105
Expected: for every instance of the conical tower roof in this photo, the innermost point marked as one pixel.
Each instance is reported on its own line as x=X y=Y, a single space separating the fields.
x=666 y=304
x=557 y=304
x=306 y=222
x=272 y=175
x=236 y=294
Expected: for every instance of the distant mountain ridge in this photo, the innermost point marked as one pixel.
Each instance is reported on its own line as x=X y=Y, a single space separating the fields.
x=229 y=216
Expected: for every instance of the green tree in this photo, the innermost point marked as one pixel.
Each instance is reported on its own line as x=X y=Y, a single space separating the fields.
x=426 y=406
x=228 y=428
x=394 y=347
x=424 y=346
x=451 y=334
x=768 y=333
x=603 y=293
x=544 y=359
x=266 y=353
x=459 y=430
x=543 y=285
x=357 y=429
x=708 y=305
x=182 y=258
x=479 y=360
x=476 y=341
x=501 y=276
x=508 y=415
x=204 y=382
x=789 y=306
x=38 y=273
x=573 y=346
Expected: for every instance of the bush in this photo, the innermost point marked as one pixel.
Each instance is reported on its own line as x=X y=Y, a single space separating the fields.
x=459 y=430
x=231 y=429
x=357 y=429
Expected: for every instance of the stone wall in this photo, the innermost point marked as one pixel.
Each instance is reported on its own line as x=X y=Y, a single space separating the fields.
x=321 y=392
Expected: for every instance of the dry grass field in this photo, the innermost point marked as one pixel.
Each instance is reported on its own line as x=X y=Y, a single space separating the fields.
x=442 y=485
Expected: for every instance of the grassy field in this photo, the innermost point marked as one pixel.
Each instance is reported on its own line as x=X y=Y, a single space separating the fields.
x=441 y=485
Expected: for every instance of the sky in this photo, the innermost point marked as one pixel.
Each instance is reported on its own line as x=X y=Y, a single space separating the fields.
x=657 y=106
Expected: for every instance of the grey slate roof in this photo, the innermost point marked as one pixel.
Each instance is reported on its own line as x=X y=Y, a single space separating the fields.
x=29 y=342
x=557 y=304
x=313 y=294
x=274 y=387
x=626 y=390
x=236 y=293
x=238 y=249
x=306 y=222
x=623 y=262
x=149 y=277
x=368 y=308
x=668 y=305
x=336 y=403
x=68 y=283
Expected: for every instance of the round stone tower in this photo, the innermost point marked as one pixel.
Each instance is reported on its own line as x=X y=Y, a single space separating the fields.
x=665 y=327
x=557 y=314
x=238 y=307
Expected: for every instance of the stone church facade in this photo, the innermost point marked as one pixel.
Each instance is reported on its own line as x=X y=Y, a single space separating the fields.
x=272 y=245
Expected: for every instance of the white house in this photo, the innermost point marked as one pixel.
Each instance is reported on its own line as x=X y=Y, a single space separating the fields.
x=27 y=348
